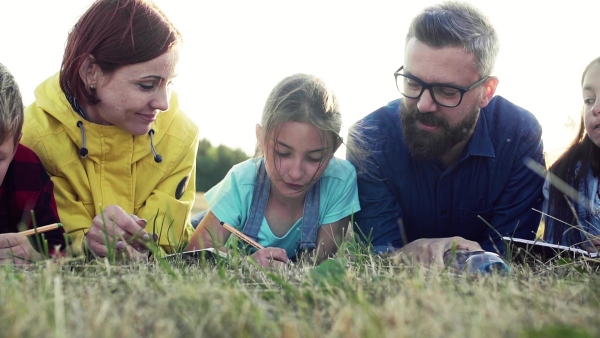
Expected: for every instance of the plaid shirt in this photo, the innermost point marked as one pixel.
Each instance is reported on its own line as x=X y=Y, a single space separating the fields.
x=27 y=187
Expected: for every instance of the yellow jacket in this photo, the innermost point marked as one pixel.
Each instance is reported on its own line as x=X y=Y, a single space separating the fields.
x=119 y=169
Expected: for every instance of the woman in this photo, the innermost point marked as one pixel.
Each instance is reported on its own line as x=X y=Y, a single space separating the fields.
x=576 y=221
x=110 y=132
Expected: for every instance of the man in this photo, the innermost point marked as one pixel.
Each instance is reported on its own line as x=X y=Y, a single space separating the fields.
x=444 y=165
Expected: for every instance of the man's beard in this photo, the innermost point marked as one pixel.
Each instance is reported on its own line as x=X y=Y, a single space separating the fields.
x=429 y=146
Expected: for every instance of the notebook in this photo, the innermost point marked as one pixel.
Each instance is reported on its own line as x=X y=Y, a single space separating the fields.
x=524 y=249
x=195 y=256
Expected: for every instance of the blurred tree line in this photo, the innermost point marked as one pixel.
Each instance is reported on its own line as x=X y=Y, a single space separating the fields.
x=213 y=163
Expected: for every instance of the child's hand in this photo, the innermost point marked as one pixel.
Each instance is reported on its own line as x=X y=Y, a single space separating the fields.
x=16 y=249
x=271 y=257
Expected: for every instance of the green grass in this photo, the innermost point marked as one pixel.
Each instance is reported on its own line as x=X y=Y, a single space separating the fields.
x=355 y=295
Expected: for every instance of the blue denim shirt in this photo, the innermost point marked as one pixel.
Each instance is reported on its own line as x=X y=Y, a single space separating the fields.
x=488 y=180
x=588 y=213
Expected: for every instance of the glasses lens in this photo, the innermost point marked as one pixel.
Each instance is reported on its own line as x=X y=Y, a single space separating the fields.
x=442 y=95
x=408 y=87
x=446 y=96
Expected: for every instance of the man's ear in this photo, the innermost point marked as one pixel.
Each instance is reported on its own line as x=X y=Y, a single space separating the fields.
x=90 y=72
x=489 y=87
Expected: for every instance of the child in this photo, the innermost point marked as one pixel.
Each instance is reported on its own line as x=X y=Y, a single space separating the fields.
x=294 y=195
x=24 y=184
x=579 y=166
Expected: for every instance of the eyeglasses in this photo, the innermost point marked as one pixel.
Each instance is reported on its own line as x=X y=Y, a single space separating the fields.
x=443 y=94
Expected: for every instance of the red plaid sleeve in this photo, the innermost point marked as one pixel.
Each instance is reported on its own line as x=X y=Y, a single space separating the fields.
x=27 y=189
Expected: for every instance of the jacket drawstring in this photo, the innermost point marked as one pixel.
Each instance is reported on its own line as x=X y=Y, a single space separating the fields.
x=157 y=157
x=83 y=151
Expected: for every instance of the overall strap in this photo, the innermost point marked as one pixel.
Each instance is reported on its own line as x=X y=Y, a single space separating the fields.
x=260 y=197
x=310 y=218
x=584 y=206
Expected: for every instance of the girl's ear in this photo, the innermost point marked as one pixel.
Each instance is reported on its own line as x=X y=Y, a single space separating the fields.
x=338 y=142
x=90 y=72
x=258 y=131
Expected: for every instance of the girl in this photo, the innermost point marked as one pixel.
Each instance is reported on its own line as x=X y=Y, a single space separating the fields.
x=294 y=195
x=579 y=166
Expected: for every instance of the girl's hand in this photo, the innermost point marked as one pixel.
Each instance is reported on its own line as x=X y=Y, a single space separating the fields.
x=16 y=249
x=271 y=257
x=119 y=230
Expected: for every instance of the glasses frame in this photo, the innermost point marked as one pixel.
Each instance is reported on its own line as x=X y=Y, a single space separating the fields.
x=429 y=86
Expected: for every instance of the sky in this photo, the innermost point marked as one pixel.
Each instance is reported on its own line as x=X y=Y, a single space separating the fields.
x=235 y=51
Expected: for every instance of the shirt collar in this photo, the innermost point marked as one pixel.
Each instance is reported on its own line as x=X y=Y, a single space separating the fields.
x=481 y=142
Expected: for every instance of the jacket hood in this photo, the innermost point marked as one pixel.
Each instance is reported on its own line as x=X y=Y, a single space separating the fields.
x=102 y=142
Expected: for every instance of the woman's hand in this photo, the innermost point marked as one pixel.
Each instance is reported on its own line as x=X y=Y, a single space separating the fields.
x=16 y=249
x=271 y=257
x=120 y=231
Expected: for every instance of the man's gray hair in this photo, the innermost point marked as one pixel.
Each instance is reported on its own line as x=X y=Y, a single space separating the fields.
x=458 y=24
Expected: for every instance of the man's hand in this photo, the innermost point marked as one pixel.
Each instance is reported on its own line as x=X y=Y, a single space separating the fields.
x=593 y=245
x=430 y=251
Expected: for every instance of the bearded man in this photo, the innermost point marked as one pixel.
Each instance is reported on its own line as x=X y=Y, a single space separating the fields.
x=444 y=166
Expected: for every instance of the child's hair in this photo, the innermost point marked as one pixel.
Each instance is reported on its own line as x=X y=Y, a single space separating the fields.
x=582 y=154
x=301 y=98
x=11 y=106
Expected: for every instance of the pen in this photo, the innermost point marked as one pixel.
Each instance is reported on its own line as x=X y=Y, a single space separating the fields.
x=241 y=235
x=40 y=230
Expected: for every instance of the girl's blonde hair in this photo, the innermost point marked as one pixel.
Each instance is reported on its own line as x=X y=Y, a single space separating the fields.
x=301 y=98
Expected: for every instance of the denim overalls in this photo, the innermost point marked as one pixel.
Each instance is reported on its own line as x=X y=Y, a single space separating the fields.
x=260 y=197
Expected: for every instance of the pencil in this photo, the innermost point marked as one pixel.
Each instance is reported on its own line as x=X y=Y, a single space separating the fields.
x=241 y=235
x=40 y=230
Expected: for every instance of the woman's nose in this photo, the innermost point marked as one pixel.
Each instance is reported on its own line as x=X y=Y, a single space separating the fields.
x=161 y=98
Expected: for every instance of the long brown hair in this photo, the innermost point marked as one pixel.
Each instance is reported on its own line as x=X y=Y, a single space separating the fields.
x=582 y=154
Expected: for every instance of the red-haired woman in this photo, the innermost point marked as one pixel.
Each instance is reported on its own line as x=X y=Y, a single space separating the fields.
x=110 y=132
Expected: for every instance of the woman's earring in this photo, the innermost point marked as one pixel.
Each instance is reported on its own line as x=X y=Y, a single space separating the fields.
x=92 y=87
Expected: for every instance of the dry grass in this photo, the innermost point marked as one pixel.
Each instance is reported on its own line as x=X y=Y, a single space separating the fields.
x=356 y=295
